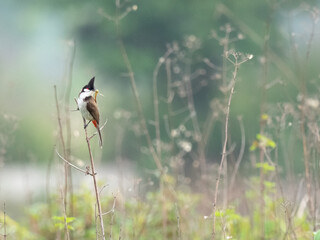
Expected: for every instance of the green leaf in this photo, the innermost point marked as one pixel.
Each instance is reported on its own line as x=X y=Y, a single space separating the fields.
x=70 y=219
x=266 y=167
x=219 y=213
x=57 y=218
x=254 y=145
x=317 y=235
x=264 y=117
x=269 y=184
x=265 y=141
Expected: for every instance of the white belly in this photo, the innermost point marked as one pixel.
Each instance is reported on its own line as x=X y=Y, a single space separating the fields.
x=83 y=109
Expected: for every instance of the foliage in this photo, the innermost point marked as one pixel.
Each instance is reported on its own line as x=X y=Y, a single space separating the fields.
x=276 y=103
x=169 y=214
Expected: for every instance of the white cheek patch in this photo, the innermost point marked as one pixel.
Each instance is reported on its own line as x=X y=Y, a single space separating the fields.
x=85 y=94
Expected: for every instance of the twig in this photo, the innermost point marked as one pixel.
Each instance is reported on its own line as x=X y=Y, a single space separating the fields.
x=65 y=217
x=178 y=221
x=74 y=166
x=72 y=46
x=112 y=214
x=65 y=155
x=93 y=174
x=4 y=222
x=194 y=119
x=156 y=100
x=126 y=60
x=139 y=106
x=242 y=148
x=224 y=149
x=104 y=186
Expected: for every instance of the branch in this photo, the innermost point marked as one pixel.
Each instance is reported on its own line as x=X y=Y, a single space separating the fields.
x=224 y=150
x=93 y=174
x=4 y=222
x=74 y=166
x=66 y=156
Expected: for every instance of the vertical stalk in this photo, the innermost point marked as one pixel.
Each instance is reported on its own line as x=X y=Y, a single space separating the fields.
x=4 y=222
x=156 y=101
x=67 y=120
x=224 y=149
x=143 y=122
x=93 y=174
x=194 y=119
x=66 y=166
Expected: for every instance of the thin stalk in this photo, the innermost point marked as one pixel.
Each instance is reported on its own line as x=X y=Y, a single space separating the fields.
x=224 y=149
x=93 y=174
x=4 y=222
x=170 y=96
x=156 y=101
x=66 y=166
x=194 y=119
x=302 y=77
x=242 y=148
x=67 y=118
x=137 y=98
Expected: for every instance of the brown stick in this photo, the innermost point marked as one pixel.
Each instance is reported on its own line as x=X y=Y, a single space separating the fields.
x=236 y=65
x=4 y=222
x=66 y=166
x=93 y=174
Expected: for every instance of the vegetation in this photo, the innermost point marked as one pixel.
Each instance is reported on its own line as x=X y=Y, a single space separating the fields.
x=223 y=133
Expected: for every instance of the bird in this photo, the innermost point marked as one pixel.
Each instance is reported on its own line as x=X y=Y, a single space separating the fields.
x=87 y=104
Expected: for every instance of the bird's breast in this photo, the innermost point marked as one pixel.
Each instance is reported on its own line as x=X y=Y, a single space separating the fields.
x=83 y=109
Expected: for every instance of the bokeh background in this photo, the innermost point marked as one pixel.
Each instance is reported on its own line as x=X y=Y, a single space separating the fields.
x=37 y=41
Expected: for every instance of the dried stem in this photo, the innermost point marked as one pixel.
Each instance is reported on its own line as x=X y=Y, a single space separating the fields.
x=93 y=174
x=224 y=149
x=136 y=93
x=72 y=46
x=65 y=218
x=156 y=100
x=112 y=215
x=74 y=166
x=302 y=76
x=66 y=166
x=178 y=222
x=194 y=119
x=242 y=148
x=4 y=222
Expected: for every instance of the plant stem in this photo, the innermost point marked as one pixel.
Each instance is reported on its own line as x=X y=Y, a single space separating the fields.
x=4 y=222
x=93 y=174
x=67 y=120
x=143 y=122
x=224 y=149
x=66 y=166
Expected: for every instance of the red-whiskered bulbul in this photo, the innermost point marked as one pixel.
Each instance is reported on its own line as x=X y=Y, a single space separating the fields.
x=88 y=107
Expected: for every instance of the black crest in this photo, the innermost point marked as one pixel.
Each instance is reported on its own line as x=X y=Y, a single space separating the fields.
x=90 y=85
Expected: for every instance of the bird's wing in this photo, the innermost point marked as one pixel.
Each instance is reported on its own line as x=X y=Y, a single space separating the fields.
x=93 y=109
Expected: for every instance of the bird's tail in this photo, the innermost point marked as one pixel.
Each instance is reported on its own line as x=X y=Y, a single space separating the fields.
x=98 y=129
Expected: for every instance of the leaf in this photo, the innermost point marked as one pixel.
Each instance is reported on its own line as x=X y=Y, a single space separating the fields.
x=254 y=145
x=57 y=218
x=266 y=167
x=70 y=219
x=264 y=117
x=317 y=235
x=269 y=184
x=219 y=213
x=265 y=141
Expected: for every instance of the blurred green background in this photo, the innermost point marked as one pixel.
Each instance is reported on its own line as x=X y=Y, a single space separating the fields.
x=36 y=39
